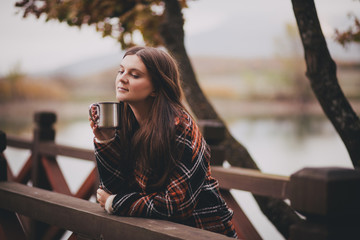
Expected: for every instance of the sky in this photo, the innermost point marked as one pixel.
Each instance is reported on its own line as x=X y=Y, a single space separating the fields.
x=244 y=29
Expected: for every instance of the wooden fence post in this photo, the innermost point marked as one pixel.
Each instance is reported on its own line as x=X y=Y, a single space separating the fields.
x=43 y=132
x=329 y=199
x=3 y=163
x=10 y=227
x=214 y=133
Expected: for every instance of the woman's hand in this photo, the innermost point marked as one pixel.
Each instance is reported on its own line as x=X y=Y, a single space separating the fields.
x=101 y=197
x=101 y=134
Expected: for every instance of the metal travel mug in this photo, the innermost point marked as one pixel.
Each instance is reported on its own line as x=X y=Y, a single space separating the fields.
x=108 y=113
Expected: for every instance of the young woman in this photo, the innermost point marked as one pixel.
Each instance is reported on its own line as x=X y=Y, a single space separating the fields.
x=156 y=164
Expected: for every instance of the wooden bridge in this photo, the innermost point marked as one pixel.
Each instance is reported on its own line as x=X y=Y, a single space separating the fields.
x=38 y=204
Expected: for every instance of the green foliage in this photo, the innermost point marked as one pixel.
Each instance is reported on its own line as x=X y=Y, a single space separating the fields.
x=119 y=19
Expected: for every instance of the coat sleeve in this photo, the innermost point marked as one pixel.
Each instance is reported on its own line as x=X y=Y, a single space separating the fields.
x=179 y=198
x=112 y=166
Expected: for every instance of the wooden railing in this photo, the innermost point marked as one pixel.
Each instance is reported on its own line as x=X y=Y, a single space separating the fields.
x=85 y=218
x=328 y=198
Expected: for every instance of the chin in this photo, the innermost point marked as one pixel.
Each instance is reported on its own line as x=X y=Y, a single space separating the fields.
x=120 y=98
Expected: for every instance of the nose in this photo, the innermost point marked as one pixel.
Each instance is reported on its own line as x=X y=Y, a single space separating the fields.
x=122 y=78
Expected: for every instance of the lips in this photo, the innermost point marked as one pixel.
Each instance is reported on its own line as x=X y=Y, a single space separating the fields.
x=122 y=89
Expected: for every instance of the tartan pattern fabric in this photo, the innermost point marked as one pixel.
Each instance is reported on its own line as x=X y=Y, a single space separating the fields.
x=191 y=195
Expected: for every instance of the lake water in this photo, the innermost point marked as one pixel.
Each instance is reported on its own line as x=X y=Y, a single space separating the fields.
x=279 y=146
x=284 y=147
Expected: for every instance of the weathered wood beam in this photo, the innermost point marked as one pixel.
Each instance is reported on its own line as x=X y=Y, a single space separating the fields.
x=3 y=163
x=243 y=226
x=88 y=218
x=25 y=173
x=17 y=142
x=10 y=227
x=51 y=149
x=55 y=176
x=252 y=181
x=89 y=186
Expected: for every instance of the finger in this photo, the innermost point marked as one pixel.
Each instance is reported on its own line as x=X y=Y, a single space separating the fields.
x=93 y=112
x=93 y=126
x=100 y=191
x=98 y=194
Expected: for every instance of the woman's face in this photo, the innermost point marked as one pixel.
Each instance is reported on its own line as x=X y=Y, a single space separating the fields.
x=133 y=83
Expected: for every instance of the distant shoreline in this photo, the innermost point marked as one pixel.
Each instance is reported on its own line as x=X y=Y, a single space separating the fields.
x=229 y=109
x=226 y=108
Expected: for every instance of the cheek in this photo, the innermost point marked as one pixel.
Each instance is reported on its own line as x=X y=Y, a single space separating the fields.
x=149 y=88
x=142 y=87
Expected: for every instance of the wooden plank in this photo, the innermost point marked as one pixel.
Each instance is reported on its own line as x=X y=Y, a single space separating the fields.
x=89 y=218
x=3 y=168
x=25 y=172
x=88 y=187
x=55 y=176
x=243 y=225
x=53 y=232
x=52 y=149
x=10 y=227
x=17 y=142
x=212 y=130
x=253 y=181
x=10 y=175
x=2 y=141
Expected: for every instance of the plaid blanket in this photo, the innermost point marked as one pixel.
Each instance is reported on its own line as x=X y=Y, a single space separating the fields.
x=191 y=195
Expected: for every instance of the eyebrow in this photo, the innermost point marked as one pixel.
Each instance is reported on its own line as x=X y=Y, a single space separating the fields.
x=133 y=69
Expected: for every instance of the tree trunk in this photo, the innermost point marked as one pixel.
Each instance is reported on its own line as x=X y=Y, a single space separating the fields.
x=321 y=71
x=172 y=32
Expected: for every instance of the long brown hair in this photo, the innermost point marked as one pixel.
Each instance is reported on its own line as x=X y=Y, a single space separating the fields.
x=153 y=146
